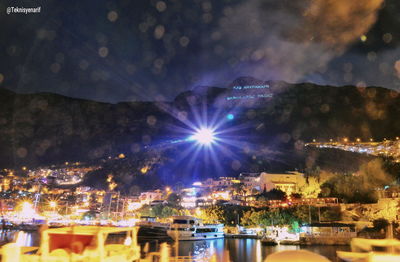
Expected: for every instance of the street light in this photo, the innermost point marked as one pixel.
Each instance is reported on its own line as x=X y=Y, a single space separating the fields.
x=27 y=210
x=53 y=205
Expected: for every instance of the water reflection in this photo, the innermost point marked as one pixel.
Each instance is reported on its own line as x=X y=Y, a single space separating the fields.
x=235 y=250
x=22 y=238
x=202 y=249
x=258 y=251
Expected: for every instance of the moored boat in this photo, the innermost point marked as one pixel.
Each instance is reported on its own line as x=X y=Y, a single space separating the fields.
x=149 y=228
x=191 y=228
x=269 y=241
x=79 y=243
x=289 y=242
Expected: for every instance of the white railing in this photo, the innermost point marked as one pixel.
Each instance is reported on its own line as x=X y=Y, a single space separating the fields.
x=328 y=234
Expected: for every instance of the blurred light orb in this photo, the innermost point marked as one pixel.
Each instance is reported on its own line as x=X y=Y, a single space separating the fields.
x=204 y=136
x=230 y=116
x=363 y=38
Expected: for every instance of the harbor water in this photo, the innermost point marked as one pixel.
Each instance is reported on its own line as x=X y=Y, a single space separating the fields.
x=239 y=250
x=235 y=250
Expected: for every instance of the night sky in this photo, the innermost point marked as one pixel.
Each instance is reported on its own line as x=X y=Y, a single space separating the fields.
x=153 y=50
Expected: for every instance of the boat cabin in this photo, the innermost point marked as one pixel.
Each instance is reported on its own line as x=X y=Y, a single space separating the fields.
x=186 y=220
x=87 y=243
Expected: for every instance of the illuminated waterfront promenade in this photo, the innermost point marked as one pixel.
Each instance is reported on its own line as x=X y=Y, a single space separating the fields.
x=387 y=148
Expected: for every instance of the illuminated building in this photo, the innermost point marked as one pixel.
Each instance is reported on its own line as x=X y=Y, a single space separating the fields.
x=5 y=184
x=250 y=181
x=224 y=182
x=82 y=189
x=189 y=202
x=221 y=195
x=147 y=197
x=287 y=182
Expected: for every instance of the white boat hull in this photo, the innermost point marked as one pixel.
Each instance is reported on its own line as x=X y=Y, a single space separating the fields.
x=191 y=228
x=184 y=236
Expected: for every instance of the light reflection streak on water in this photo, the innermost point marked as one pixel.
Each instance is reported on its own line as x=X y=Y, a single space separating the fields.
x=258 y=251
x=20 y=237
x=212 y=249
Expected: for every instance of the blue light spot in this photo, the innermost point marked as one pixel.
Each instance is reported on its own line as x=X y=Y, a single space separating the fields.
x=230 y=116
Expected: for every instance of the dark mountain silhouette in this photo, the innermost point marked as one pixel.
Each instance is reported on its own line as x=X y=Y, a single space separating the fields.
x=42 y=129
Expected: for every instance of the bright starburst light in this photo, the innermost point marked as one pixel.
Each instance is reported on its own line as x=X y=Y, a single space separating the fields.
x=203 y=136
x=205 y=139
